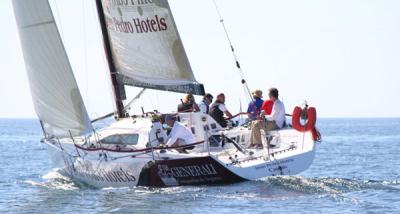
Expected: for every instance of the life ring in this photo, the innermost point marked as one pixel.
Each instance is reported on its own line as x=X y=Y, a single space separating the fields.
x=310 y=125
x=312 y=118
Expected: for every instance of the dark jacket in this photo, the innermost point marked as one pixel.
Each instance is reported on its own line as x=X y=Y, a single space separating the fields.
x=185 y=107
x=217 y=114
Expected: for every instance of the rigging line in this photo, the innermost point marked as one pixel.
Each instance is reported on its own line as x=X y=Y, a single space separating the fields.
x=141 y=92
x=158 y=101
x=149 y=99
x=127 y=106
x=85 y=57
x=244 y=83
x=240 y=110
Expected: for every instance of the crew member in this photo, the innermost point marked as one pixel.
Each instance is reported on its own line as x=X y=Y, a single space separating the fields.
x=274 y=121
x=180 y=135
x=254 y=108
x=267 y=107
x=204 y=105
x=188 y=104
x=218 y=110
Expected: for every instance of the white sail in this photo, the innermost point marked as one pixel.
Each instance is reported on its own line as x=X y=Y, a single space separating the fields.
x=57 y=100
x=146 y=46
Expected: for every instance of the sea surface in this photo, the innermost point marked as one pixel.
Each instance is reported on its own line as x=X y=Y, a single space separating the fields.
x=356 y=170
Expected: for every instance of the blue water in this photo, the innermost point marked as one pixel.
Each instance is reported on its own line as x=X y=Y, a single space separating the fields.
x=356 y=170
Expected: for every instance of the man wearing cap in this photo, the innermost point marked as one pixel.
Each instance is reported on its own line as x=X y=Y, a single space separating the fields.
x=204 y=105
x=218 y=110
x=254 y=108
x=180 y=135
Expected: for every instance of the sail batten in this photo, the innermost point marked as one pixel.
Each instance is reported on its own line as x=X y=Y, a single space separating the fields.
x=38 y=24
x=55 y=93
x=146 y=46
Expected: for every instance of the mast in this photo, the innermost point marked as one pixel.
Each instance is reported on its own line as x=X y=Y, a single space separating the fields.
x=118 y=89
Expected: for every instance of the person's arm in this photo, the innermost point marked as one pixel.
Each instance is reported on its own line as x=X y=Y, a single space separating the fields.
x=222 y=107
x=172 y=138
x=195 y=107
x=250 y=108
x=275 y=110
x=171 y=142
x=227 y=113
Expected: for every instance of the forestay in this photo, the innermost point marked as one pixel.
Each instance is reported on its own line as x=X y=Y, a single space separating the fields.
x=58 y=102
x=146 y=47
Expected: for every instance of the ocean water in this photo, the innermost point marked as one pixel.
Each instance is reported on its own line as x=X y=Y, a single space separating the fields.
x=356 y=170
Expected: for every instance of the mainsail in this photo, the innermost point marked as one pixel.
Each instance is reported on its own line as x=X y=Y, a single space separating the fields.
x=56 y=97
x=146 y=47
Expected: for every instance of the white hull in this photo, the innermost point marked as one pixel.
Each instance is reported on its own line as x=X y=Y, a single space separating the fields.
x=211 y=165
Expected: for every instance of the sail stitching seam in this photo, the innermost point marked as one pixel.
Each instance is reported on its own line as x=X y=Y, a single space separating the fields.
x=38 y=24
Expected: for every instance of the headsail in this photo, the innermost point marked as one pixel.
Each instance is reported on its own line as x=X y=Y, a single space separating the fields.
x=146 y=46
x=57 y=100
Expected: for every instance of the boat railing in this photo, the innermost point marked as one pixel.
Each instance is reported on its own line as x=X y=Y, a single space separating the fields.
x=149 y=149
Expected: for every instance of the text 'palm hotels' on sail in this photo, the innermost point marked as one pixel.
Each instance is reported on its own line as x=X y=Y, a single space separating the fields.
x=134 y=24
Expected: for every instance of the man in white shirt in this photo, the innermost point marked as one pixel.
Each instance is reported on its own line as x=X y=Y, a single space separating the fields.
x=180 y=135
x=277 y=117
x=204 y=105
x=275 y=120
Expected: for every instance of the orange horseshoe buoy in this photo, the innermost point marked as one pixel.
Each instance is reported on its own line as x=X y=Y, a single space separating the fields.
x=310 y=125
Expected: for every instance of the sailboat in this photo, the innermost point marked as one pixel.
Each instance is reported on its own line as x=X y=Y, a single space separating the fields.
x=143 y=49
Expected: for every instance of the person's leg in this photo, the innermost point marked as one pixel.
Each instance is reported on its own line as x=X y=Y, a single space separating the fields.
x=177 y=144
x=181 y=150
x=269 y=126
x=255 y=137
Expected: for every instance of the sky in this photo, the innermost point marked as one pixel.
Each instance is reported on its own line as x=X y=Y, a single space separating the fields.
x=341 y=56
